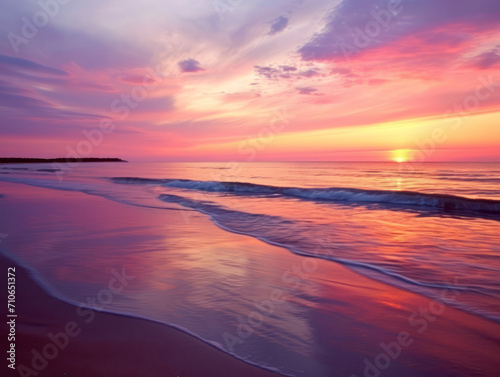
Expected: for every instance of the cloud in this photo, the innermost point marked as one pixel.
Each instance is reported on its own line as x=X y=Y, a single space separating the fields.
x=30 y=66
x=278 y=25
x=5 y=87
x=357 y=26
x=309 y=73
x=487 y=59
x=156 y=105
x=190 y=66
x=22 y=102
x=32 y=107
x=285 y=72
x=307 y=90
x=269 y=73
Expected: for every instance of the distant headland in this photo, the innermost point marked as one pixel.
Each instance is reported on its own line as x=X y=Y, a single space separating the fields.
x=20 y=160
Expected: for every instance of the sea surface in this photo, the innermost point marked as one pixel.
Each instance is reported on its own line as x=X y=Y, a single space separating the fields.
x=419 y=228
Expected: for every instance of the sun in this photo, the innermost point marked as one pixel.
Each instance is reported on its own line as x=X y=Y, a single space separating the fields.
x=401 y=155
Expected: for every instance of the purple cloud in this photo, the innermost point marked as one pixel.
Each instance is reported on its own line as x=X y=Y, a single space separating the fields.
x=269 y=73
x=284 y=72
x=358 y=25
x=28 y=65
x=287 y=68
x=20 y=105
x=90 y=50
x=309 y=73
x=487 y=59
x=278 y=25
x=6 y=87
x=307 y=90
x=190 y=66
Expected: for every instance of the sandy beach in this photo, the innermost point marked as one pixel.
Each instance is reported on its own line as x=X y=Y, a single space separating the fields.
x=109 y=345
x=360 y=326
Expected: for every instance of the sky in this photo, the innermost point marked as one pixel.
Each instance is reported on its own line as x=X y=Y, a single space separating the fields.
x=251 y=80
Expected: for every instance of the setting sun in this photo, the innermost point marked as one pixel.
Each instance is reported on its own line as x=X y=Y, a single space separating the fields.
x=401 y=155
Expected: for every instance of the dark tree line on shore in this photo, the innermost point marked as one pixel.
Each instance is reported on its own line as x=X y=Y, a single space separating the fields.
x=21 y=160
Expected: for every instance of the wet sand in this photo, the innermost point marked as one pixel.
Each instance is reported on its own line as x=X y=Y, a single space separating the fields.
x=350 y=318
x=110 y=345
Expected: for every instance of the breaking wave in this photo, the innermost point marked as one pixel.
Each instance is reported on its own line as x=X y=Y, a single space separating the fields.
x=337 y=194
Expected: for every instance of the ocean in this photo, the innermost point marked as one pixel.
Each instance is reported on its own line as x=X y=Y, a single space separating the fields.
x=243 y=255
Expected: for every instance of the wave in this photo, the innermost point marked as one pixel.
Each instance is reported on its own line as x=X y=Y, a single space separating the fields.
x=336 y=194
x=471 y=179
x=137 y=181
x=209 y=186
x=279 y=231
x=275 y=230
x=28 y=169
x=48 y=170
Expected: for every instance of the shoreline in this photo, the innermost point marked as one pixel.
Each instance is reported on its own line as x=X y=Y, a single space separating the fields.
x=350 y=324
x=102 y=343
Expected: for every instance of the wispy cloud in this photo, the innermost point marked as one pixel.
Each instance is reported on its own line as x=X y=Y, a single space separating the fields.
x=29 y=66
